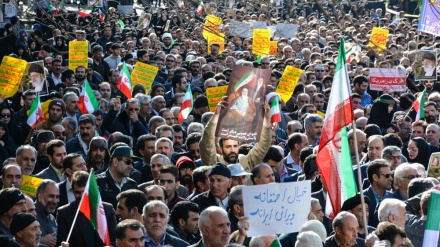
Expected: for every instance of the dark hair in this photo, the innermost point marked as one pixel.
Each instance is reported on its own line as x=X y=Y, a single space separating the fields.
x=80 y=179
x=199 y=175
x=193 y=138
x=392 y=140
x=388 y=231
x=54 y=144
x=133 y=198
x=68 y=160
x=374 y=168
x=181 y=211
x=419 y=185
x=295 y=138
x=131 y=224
x=273 y=154
x=176 y=79
x=170 y=169
x=371 y=130
x=360 y=79
x=305 y=152
x=144 y=138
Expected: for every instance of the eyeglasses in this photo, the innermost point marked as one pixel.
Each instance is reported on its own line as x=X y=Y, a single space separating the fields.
x=171 y=61
x=127 y=162
x=319 y=70
x=6 y=115
x=413 y=150
x=386 y=175
x=297 y=130
x=411 y=177
x=133 y=109
x=58 y=133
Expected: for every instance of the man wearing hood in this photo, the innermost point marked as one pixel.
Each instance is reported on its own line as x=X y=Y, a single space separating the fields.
x=98 y=156
x=186 y=167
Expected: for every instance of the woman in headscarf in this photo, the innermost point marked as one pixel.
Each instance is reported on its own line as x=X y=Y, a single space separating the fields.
x=60 y=46
x=418 y=151
x=22 y=53
x=382 y=112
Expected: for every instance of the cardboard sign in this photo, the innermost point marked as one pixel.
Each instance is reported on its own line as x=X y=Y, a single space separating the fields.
x=276 y=208
x=144 y=74
x=218 y=38
x=288 y=82
x=215 y=95
x=78 y=54
x=242 y=120
x=273 y=47
x=212 y=25
x=11 y=72
x=426 y=65
x=30 y=185
x=379 y=37
x=261 y=42
x=392 y=79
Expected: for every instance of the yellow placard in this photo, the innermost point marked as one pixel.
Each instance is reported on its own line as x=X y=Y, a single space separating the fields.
x=78 y=54
x=215 y=95
x=30 y=184
x=379 y=37
x=44 y=109
x=320 y=113
x=144 y=74
x=218 y=38
x=273 y=47
x=212 y=25
x=261 y=42
x=11 y=72
x=288 y=82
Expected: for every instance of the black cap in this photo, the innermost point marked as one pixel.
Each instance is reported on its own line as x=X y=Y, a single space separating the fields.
x=126 y=152
x=8 y=198
x=20 y=221
x=220 y=169
x=352 y=202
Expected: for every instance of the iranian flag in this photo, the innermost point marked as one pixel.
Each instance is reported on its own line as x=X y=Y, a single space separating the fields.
x=187 y=105
x=275 y=114
x=52 y=9
x=419 y=106
x=91 y=206
x=245 y=79
x=84 y=12
x=87 y=100
x=181 y=4
x=334 y=160
x=101 y=16
x=432 y=227
x=200 y=8
x=36 y=113
x=124 y=81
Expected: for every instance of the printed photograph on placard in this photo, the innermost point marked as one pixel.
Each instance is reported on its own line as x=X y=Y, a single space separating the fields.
x=426 y=65
x=37 y=75
x=243 y=119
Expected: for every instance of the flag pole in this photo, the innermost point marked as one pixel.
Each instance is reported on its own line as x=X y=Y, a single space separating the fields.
x=359 y=178
x=77 y=210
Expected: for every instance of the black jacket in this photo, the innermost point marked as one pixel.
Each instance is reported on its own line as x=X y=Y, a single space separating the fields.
x=108 y=189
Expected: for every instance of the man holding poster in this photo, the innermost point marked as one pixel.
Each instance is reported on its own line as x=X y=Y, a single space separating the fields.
x=228 y=144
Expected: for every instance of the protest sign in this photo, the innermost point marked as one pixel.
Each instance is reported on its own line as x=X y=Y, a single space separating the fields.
x=212 y=25
x=261 y=42
x=37 y=74
x=144 y=74
x=394 y=80
x=243 y=119
x=218 y=38
x=428 y=17
x=78 y=54
x=11 y=72
x=30 y=185
x=288 y=82
x=276 y=208
x=238 y=28
x=379 y=37
x=434 y=166
x=426 y=65
x=273 y=47
x=286 y=30
x=214 y=95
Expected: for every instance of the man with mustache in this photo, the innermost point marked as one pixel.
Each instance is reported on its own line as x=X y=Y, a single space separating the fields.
x=25 y=228
x=313 y=125
x=431 y=113
x=186 y=167
x=87 y=130
x=156 y=216
x=48 y=197
x=98 y=156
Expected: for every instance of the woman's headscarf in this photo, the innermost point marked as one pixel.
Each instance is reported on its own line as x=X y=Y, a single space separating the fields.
x=424 y=152
x=379 y=111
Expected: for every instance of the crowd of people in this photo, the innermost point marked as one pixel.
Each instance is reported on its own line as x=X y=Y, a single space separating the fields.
x=170 y=183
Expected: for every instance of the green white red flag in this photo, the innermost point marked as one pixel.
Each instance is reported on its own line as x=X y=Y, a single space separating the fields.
x=84 y=12
x=334 y=159
x=275 y=114
x=432 y=227
x=419 y=106
x=181 y=4
x=187 y=105
x=93 y=209
x=200 y=8
x=87 y=100
x=35 y=113
x=245 y=79
x=124 y=81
